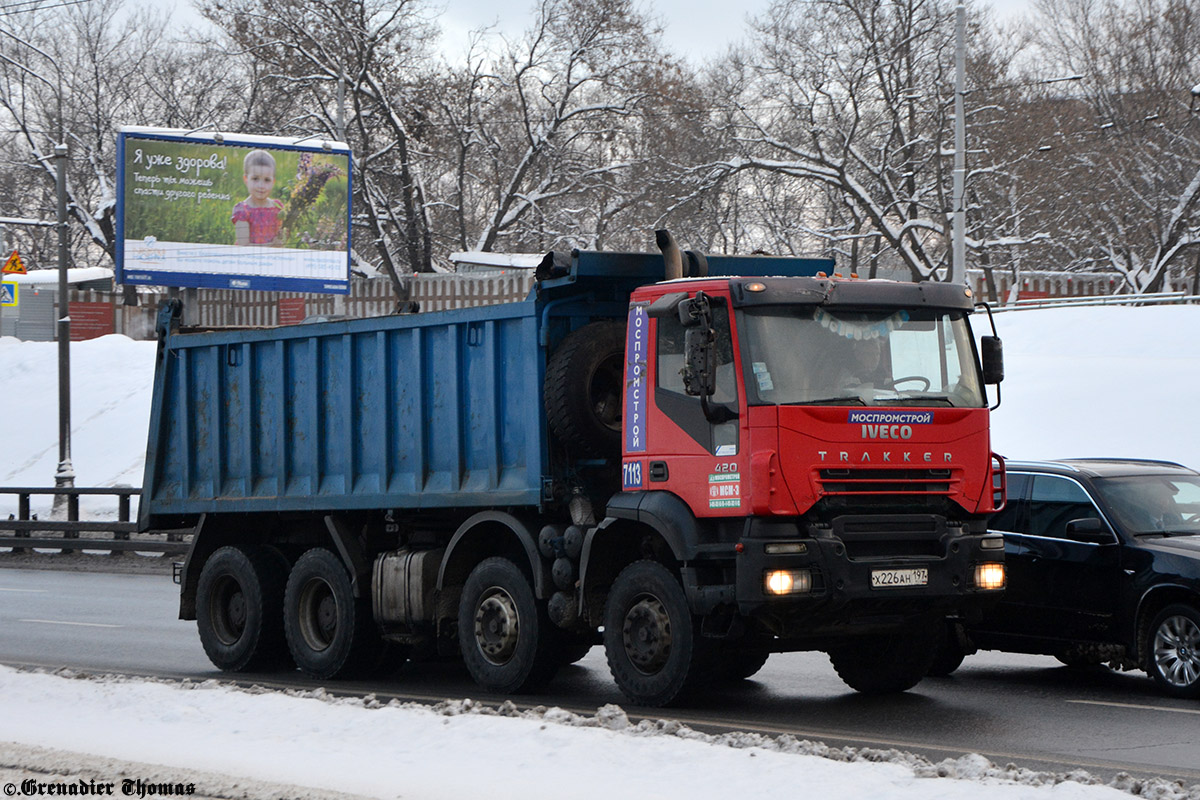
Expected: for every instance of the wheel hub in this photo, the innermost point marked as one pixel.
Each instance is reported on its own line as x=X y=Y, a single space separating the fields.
x=647 y=635
x=497 y=626
x=228 y=611
x=1177 y=651
x=318 y=614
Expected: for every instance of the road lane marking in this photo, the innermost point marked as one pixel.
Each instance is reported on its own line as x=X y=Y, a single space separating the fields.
x=27 y=591
x=64 y=622
x=1134 y=705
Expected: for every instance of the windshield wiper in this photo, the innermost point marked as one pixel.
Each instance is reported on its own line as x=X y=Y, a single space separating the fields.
x=921 y=399
x=832 y=401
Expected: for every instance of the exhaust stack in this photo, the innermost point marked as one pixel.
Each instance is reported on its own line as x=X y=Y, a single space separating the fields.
x=672 y=255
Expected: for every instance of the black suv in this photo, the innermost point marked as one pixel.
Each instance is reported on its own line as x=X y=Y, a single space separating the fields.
x=1103 y=560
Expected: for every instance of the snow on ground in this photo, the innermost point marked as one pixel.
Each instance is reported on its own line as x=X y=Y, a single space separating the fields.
x=459 y=749
x=1080 y=382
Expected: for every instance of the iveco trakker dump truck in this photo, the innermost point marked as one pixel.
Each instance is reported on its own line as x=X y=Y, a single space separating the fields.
x=696 y=461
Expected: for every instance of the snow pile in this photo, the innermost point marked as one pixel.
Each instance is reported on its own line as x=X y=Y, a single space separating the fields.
x=459 y=749
x=111 y=382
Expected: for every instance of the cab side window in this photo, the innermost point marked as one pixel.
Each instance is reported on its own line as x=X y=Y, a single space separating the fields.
x=670 y=396
x=1055 y=501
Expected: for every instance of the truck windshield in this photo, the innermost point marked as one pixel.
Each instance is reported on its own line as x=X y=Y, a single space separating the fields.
x=805 y=355
x=1154 y=504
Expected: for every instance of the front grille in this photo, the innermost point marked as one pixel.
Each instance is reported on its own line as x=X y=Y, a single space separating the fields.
x=886 y=481
x=894 y=548
x=868 y=537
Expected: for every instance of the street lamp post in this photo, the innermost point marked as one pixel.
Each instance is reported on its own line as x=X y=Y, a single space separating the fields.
x=65 y=476
x=958 y=199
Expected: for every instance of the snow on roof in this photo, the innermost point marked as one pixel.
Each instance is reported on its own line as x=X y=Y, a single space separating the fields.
x=204 y=136
x=50 y=276
x=501 y=260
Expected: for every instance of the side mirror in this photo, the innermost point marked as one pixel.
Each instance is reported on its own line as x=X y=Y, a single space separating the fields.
x=993 y=358
x=1089 y=529
x=698 y=347
x=666 y=306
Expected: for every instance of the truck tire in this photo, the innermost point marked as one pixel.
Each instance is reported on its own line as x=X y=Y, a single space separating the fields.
x=506 y=638
x=948 y=653
x=885 y=665
x=583 y=389
x=654 y=647
x=573 y=652
x=239 y=609
x=1173 y=650
x=330 y=633
x=743 y=663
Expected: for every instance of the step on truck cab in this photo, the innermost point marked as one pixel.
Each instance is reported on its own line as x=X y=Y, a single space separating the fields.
x=696 y=460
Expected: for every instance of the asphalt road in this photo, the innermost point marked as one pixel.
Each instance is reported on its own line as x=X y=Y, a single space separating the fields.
x=1027 y=710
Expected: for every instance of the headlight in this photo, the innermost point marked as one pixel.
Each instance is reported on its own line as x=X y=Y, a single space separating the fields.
x=787 y=581
x=989 y=576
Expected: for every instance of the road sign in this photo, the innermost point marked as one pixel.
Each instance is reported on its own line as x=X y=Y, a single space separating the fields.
x=8 y=294
x=13 y=266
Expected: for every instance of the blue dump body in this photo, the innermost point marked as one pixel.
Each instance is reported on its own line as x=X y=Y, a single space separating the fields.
x=420 y=411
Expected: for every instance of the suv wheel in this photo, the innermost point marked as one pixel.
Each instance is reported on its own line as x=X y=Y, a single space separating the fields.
x=1173 y=655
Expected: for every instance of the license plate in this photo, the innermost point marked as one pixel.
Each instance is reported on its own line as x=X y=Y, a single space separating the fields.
x=888 y=578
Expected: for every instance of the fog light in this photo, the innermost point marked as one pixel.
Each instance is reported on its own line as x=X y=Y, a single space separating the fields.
x=785 y=548
x=787 y=581
x=992 y=543
x=989 y=576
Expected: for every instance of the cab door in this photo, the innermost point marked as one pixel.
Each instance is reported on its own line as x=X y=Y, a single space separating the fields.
x=699 y=460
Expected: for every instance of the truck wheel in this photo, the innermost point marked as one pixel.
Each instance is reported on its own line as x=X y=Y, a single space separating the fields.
x=505 y=638
x=573 y=652
x=239 y=609
x=652 y=643
x=744 y=663
x=329 y=632
x=584 y=387
x=948 y=654
x=887 y=664
x=1173 y=655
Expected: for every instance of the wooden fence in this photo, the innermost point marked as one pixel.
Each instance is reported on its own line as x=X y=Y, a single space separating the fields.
x=104 y=312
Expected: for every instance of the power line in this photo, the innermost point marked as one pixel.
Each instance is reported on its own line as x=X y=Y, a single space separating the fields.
x=35 y=5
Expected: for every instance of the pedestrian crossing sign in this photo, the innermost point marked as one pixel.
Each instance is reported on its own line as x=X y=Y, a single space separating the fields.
x=13 y=266
x=8 y=294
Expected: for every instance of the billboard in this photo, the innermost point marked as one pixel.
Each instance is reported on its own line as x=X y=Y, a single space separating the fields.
x=232 y=211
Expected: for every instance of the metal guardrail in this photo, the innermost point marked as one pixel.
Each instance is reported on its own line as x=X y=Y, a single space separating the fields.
x=1099 y=300
x=30 y=532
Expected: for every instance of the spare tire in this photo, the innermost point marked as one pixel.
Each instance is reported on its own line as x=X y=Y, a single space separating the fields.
x=584 y=383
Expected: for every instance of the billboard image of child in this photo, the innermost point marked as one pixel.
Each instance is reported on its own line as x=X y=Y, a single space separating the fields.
x=259 y=214
x=256 y=219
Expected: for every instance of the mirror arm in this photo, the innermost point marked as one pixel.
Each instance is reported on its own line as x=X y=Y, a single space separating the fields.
x=718 y=413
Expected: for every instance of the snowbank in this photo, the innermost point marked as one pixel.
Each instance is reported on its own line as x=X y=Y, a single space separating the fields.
x=459 y=749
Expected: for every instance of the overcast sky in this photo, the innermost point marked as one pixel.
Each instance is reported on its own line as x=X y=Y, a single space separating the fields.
x=703 y=28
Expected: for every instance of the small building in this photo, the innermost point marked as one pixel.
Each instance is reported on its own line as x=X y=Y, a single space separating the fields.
x=33 y=318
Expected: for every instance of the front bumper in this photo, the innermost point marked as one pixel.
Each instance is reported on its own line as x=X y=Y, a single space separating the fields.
x=840 y=589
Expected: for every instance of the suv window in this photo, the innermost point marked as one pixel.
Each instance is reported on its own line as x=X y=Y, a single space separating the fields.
x=1148 y=504
x=1053 y=502
x=1012 y=518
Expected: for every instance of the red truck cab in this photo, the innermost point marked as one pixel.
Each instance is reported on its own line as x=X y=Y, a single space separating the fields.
x=831 y=439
